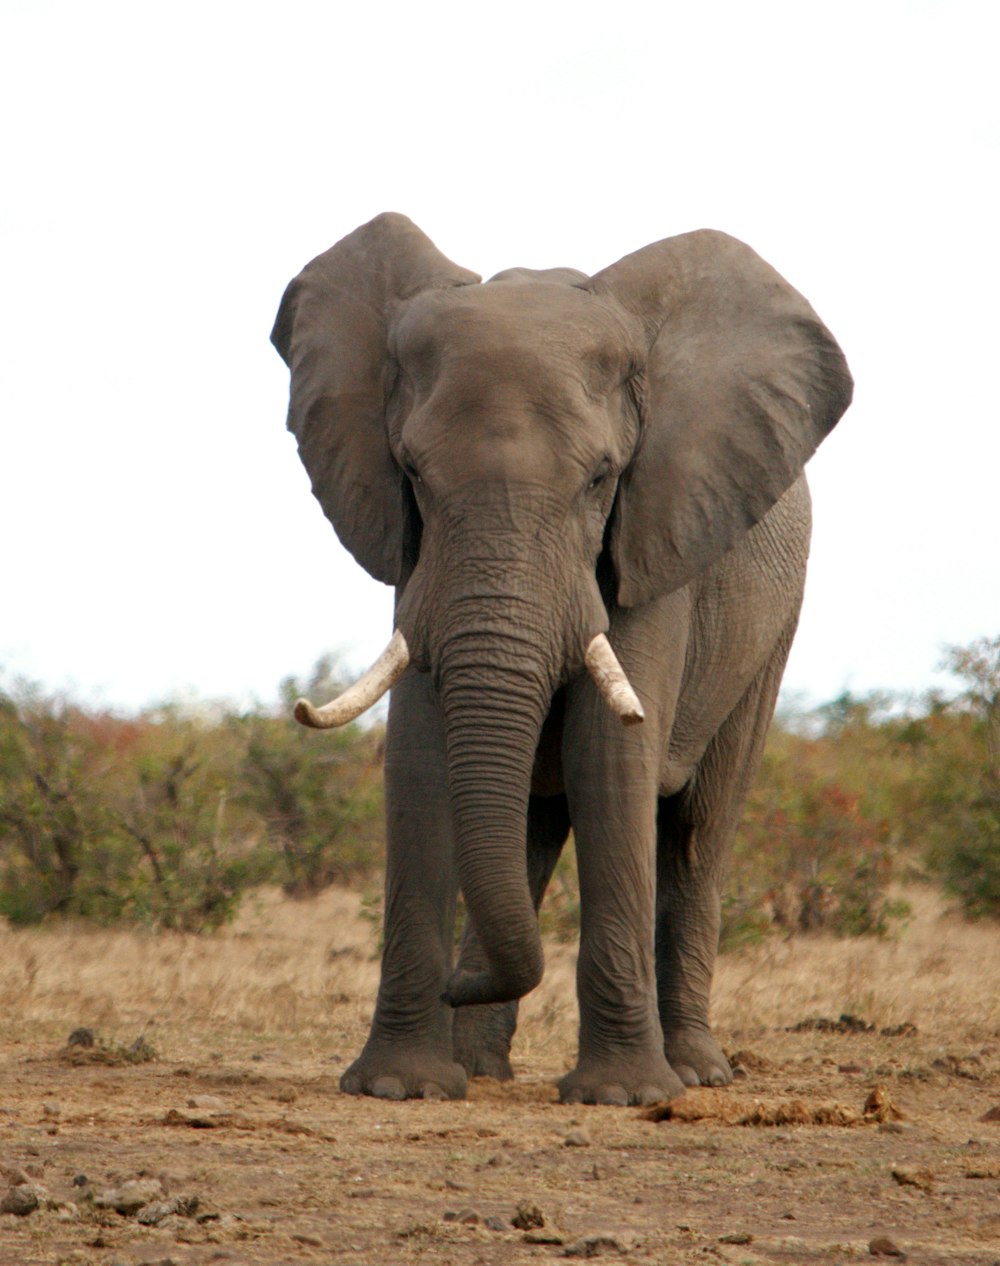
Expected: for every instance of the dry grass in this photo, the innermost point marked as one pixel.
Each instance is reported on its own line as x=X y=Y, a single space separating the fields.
x=939 y=974
x=308 y=970
x=263 y=1016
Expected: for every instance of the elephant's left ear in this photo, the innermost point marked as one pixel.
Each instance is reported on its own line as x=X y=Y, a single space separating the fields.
x=742 y=383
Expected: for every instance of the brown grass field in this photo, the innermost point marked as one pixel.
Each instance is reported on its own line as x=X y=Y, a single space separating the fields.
x=251 y=1155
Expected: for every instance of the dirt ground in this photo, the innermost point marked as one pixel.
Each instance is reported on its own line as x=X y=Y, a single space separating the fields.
x=222 y=1136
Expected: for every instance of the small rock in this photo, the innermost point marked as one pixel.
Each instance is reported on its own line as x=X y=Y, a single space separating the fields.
x=598 y=1245
x=209 y=1103
x=882 y=1246
x=81 y=1037
x=543 y=1235
x=528 y=1217
x=495 y=1224
x=498 y=1160
x=130 y=1197
x=311 y=1241
x=199 y=1118
x=80 y=1180
x=21 y=1200
x=577 y=1138
x=737 y=1237
x=67 y=1211
x=906 y=1176
x=992 y=1117
x=156 y=1211
x=468 y=1217
x=51 y=1108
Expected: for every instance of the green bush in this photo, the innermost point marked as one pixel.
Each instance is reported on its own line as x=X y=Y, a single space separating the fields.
x=813 y=853
x=166 y=818
x=318 y=795
x=962 y=783
x=51 y=803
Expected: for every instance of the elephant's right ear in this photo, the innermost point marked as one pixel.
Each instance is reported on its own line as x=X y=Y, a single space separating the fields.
x=331 y=331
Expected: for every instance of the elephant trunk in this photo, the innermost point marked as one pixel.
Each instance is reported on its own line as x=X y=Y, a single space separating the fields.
x=495 y=692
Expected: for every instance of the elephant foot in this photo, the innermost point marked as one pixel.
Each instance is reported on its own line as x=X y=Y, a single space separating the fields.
x=398 y=1072
x=481 y=1040
x=629 y=1079
x=696 y=1057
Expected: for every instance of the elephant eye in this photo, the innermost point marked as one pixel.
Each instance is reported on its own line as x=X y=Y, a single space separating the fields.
x=600 y=474
x=410 y=469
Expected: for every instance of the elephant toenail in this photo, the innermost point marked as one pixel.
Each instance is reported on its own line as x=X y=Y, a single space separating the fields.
x=432 y=1091
x=616 y=1095
x=718 y=1078
x=687 y=1074
x=573 y=1096
x=650 y=1094
x=388 y=1088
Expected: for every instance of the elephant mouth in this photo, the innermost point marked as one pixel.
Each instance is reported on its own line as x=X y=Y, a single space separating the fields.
x=601 y=661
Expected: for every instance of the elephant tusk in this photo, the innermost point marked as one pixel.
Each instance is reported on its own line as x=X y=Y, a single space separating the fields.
x=610 y=679
x=367 y=690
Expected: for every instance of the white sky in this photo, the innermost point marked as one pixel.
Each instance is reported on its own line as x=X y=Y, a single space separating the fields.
x=167 y=168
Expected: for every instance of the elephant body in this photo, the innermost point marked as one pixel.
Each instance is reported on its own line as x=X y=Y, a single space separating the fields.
x=537 y=463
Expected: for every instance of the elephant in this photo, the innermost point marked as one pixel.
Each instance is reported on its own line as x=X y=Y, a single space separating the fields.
x=589 y=495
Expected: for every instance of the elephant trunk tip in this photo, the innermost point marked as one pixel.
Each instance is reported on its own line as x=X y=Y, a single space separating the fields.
x=466 y=988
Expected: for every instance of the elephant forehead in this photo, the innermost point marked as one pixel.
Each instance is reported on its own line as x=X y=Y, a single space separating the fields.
x=488 y=433
x=521 y=330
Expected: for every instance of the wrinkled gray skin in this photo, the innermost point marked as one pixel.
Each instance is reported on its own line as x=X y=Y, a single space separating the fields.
x=531 y=462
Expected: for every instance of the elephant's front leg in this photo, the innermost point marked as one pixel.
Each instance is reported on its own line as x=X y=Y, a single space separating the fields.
x=611 y=782
x=409 y=1049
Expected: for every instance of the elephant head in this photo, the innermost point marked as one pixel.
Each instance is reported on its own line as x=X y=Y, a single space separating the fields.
x=518 y=456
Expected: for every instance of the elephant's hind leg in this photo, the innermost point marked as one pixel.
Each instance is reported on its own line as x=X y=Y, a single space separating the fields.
x=482 y=1035
x=695 y=830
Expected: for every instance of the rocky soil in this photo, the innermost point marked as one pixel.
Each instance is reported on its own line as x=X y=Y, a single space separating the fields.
x=835 y=1144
